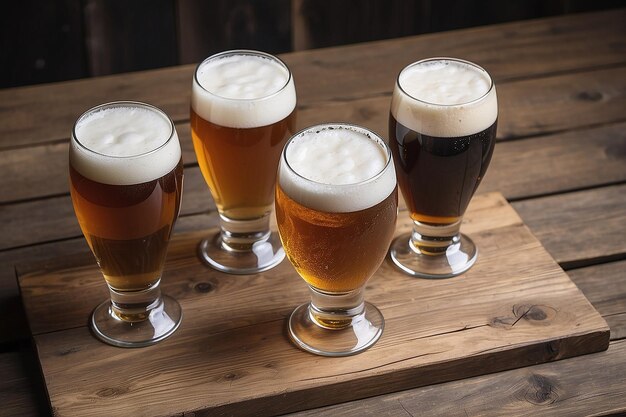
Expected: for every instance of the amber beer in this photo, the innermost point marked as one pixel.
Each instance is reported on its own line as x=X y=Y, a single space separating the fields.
x=335 y=252
x=126 y=181
x=239 y=131
x=336 y=206
x=335 y=231
x=126 y=211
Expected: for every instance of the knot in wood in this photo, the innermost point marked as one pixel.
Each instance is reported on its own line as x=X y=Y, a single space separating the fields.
x=534 y=313
x=112 y=392
x=203 y=287
x=589 y=96
x=541 y=391
x=232 y=376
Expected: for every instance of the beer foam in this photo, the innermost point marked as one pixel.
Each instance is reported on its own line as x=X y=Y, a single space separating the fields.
x=337 y=168
x=445 y=98
x=124 y=144
x=242 y=90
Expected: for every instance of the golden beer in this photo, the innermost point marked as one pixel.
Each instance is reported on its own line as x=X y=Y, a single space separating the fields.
x=335 y=252
x=126 y=182
x=243 y=110
x=128 y=227
x=239 y=164
x=336 y=207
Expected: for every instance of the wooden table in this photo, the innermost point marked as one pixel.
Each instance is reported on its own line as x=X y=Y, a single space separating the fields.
x=560 y=161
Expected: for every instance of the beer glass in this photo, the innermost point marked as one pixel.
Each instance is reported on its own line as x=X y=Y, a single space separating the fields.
x=442 y=131
x=126 y=181
x=243 y=110
x=336 y=207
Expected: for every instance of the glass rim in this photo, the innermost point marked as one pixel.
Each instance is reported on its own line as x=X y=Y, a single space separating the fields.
x=123 y=103
x=251 y=52
x=463 y=61
x=340 y=125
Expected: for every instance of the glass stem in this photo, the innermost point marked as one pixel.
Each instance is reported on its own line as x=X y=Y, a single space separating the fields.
x=240 y=235
x=134 y=306
x=429 y=239
x=338 y=310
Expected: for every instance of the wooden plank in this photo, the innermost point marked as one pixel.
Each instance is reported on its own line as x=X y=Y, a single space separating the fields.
x=43 y=170
x=605 y=287
x=520 y=169
x=581 y=227
x=22 y=391
x=522 y=49
x=25 y=112
x=557 y=163
x=550 y=389
x=231 y=355
x=30 y=222
x=537 y=106
x=14 y=326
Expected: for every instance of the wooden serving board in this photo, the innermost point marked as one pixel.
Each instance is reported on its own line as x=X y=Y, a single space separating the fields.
x=231 y=355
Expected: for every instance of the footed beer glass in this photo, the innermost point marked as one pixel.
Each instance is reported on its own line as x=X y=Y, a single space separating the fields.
x=126 y=181
x=243 y=110
x=442 y=132
x=336 y=206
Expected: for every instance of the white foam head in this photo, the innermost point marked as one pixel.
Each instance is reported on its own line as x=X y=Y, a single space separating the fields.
x=444 y=97
x=337 y=168
x=243 y=89
x=124 y=143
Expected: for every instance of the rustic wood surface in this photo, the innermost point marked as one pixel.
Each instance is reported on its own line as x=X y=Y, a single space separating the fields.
x=514 y=308
x=561 y=161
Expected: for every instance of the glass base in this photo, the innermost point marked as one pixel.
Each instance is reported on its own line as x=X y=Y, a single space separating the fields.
x=265 y=254
x=458 y=258
x=365 y=330
x=162 y=321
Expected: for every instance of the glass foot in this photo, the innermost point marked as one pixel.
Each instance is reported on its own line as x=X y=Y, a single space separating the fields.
x=162 y=321
x=458 y=258
x=264 y=255
x=365 y=330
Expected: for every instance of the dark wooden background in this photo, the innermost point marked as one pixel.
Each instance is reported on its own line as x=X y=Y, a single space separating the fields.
x=56 y=40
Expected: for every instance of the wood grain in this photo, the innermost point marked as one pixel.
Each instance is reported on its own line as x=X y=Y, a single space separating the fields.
x=21 y=394
x=590 y=222
x=550 y=389
x=515 y=50
x=537 y=106
x=604 y=286
x=231 y=356
x=586 y=156
x=42 y=227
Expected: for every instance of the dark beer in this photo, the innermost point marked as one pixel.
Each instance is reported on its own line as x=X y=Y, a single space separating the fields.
x=442 y=131
x=439 y=175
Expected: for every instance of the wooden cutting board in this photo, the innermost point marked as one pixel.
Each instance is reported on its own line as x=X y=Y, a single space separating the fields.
x=231 y=355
